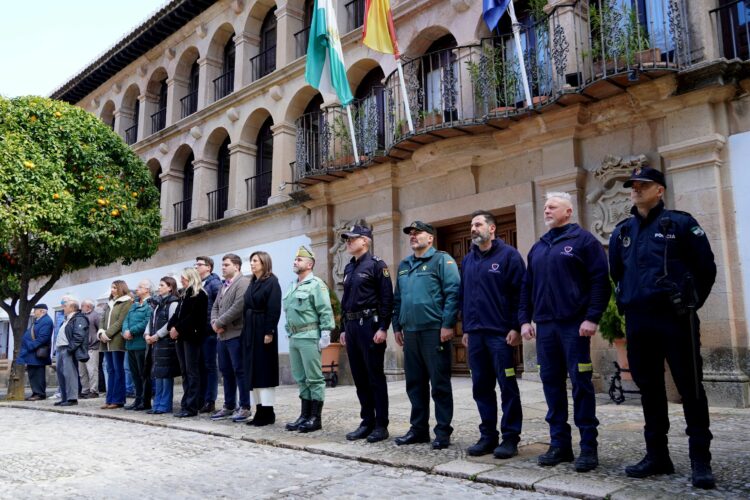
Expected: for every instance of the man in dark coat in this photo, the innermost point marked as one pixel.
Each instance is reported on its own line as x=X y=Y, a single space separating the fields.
x=71 y=346
x=209 y=369
x=39 y=334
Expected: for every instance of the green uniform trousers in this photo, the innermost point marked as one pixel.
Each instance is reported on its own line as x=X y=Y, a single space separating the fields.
x=307 y=371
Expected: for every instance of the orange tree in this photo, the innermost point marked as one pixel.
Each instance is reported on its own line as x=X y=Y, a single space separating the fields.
x=72 y=195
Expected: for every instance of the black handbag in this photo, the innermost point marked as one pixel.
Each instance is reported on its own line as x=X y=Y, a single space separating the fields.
x=43 y=351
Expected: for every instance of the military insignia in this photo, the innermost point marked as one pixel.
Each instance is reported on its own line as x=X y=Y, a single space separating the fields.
x=698 y=231
x=424 y=268
x=626 y=241
x=386 y=273
x=637 y=171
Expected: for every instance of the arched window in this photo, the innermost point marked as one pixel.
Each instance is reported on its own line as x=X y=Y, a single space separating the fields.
x=224 y=84
x=355 y=14
x=265 y=62
x=259 y=189
x=219 y=198
x=157 y=179
x=189 y=103
x=131 y=133
x=308 y=136
x=302 y=37
x=370 y=111
x=159 y=119
x=183 y=209
x=438 y=76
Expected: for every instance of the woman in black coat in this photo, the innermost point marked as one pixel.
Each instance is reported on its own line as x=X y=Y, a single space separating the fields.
x=188 y=327
x=165 y=366
x=260 y=337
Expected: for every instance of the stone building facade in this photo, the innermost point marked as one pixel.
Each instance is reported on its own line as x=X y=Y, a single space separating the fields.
x=212 y=97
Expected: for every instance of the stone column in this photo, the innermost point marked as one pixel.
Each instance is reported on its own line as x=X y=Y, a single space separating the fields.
x=148 y=104
x=177 y=87
x=209 y=68
x=171 y=193
x=246 y=46
x=123 y=121
x=284 y=148
x=289 y=20
x=241 y=166
x=204 y=181
x=696 y=183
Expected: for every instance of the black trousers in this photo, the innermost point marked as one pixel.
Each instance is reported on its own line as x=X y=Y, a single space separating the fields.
x=189 y=356
x=366 y=360
x=654 y=336
x=37 y=379
x=141 y=374
x=427 y=362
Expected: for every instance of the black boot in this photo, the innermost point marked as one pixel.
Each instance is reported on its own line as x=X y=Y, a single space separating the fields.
x=702 y=475
x=303 y=416
x=269 y=417
x=313 y=423
x=258 y=414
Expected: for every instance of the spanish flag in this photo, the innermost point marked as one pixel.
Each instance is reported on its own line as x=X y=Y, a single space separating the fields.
x=378 y=32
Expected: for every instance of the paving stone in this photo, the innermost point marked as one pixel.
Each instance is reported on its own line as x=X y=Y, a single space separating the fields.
x=462 y=469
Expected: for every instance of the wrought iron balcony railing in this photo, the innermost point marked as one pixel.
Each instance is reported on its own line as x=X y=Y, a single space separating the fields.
x=581 y=51
x=224 y=85
x=189 y=104
x=300 y=42
x=258 y=190
x=158 y=120
x=264 y=63
x=182 y=214
x=732 y=22
x=217 y=203
x=131 y=135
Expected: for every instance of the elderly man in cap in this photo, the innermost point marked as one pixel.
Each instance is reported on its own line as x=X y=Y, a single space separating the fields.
x=35 y=351
x=425 y=307
x=367 y=306
x=309 y=321
x=662 y=264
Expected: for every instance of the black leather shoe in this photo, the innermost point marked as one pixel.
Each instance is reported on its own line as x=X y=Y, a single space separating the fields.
x=132 y=406
x=151 y=411
x=484 y=446
x=209 y=407
x=703 y=476
x=362 y=432
x=588 y=460
x=140 y=408
x=555 y=456
x=650 y=466
x=70 y=402
x=507 y=449
x=185 y=414
x=412 y=437
x=441 y=443
x=59 y=403
x=378 y=434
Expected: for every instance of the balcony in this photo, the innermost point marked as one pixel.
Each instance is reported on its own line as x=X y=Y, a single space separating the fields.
x=182 y=211
x=301 y=39
x=131 y=135
x=264 y=63
x=731 y=22
x=355 y=14
x=158 y=120
x=581 y=52
x=224 y=85
x=217 y=203
x=258 y=190
x=189 y=104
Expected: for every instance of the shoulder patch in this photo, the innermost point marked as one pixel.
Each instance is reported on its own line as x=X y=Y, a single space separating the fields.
x=698 y=231
x=386 y=273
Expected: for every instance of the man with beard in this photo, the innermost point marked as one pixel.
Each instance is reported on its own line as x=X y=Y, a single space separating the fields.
x=309 y=321
x=425 y=307
x=491 y=277
x=565 y=291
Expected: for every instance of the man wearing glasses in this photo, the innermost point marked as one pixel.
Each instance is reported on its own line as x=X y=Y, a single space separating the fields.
x=367 y=306
x=209 y=369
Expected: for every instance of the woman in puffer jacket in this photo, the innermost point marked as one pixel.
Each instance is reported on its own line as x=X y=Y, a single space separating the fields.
x=164 y=353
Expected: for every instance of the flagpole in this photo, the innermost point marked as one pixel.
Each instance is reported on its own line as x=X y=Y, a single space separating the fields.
x=519 y=50
x=404 y=94
x=351 y=132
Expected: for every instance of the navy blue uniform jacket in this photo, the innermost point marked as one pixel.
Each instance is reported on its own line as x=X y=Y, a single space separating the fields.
x=566 y=278
x=491 y=288
x=636 y=257
x=367 y=285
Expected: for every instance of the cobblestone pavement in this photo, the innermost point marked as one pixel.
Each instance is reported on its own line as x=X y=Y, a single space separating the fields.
x=620 y=437
x=48 y=455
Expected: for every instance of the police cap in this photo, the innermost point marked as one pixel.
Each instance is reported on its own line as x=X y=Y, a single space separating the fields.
x=357 y=231
x=646 y=174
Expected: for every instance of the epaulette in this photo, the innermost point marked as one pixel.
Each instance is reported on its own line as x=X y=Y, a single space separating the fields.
x=376 y=258
x=681 y=212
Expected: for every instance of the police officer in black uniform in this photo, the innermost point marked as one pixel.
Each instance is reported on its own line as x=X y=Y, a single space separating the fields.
x=663 y=267
x=367 y=306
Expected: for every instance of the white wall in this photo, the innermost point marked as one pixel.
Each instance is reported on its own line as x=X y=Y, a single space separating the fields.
x=282 y=253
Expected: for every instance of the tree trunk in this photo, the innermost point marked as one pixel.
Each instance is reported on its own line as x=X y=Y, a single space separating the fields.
x=16 y=377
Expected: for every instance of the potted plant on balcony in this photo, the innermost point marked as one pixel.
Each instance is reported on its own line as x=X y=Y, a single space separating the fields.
x=430 y=118
x=342 y=148
x=612 y=328
x=329 y=357
x=499 y=75
x=618 y=40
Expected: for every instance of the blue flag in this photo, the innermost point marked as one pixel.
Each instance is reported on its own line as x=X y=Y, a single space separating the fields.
x=493 y=10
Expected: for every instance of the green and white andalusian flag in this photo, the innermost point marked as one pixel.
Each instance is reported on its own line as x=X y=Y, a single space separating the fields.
x=325 y=68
